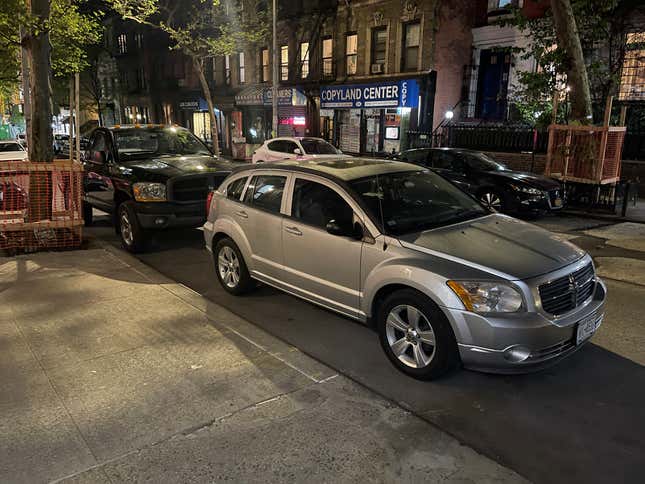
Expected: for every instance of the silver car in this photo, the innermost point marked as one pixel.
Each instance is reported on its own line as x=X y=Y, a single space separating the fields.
x=443 y=280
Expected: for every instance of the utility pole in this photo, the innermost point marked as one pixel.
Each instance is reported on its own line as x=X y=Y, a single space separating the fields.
x=77 y=104
x=274 y=87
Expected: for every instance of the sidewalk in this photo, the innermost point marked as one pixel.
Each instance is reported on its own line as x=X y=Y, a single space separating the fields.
x=110 y=372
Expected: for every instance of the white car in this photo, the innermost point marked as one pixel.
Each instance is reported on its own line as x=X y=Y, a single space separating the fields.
x=278 y=149
x=12 y=151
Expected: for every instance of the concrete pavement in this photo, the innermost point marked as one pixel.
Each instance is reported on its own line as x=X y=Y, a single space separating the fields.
x=110 y=372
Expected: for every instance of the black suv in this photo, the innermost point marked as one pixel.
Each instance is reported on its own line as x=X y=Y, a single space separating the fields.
x=149 y=177
x=494 y=184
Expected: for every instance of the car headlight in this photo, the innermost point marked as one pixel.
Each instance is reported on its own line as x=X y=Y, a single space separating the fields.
x=487 y=297
x=527 y=189
x=149 y=192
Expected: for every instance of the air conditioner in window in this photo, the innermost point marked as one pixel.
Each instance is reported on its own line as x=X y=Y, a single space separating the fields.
x=378 y=68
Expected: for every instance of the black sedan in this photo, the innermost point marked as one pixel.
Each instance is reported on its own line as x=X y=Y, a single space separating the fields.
x=491 y=182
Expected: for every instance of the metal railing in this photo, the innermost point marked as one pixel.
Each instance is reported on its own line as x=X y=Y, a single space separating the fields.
x=496 y=138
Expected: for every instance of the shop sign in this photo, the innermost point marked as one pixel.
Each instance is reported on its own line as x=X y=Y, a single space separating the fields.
x=287 y=96
x=394 y=94
x=193 y=105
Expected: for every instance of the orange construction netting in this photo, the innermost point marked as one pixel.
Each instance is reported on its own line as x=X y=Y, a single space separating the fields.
x=40 y=205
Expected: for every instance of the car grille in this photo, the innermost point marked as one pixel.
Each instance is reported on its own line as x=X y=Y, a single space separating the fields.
x=194 y=188
x=551 y=351
x=566 y=293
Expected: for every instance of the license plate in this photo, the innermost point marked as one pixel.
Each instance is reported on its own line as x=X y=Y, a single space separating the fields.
x=587 y=327
x=557 y=202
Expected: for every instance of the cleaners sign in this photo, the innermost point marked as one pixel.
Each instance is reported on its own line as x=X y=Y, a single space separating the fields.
x=394 y=94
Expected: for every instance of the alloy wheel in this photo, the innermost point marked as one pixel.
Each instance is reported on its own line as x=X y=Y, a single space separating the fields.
x=126 y=228
x=228 y=266
x=491 y=200
x=410 y=336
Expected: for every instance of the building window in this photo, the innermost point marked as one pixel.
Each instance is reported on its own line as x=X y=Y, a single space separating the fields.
x=304 y=60
x=122 y=43
x=124 y=80
x=498 y=4
x=141 y=78
x=379 y=46
x=266 y=74
x=632 y=79
x=242 y=73
x=138 y=40
x=351 y=53
x=411 y=41
x=284 y=63
x=227 y=69
x=327 y=57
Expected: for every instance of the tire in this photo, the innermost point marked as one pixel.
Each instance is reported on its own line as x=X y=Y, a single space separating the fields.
x=88 y=216
x=421 y=346
x=133 y=237
x=493 y=199
x=231 y=269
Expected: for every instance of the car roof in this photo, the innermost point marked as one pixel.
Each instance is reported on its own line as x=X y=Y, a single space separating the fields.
x=118 y=127
x=295 y=138
x=345 y=169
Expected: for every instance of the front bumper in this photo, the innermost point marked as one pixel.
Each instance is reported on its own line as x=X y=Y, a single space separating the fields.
x=535 y=203
x=163 y=215
x=489 y=343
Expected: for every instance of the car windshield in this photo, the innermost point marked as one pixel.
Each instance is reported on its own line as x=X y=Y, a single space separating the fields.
x=5 y=147
x=313 y=146
x=135 y=143
x=413 y=201
x=483 y=162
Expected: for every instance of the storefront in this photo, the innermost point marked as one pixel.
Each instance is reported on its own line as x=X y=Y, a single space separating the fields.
x=253 y=117
x=372 y=118
x=194 y=115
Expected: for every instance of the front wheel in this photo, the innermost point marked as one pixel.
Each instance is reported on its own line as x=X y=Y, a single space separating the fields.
x=231 y=269
x=416 y=335
x=493 y=200
x=133 y=237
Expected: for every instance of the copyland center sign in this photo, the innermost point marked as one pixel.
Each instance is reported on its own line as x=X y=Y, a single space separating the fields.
x=394 y=94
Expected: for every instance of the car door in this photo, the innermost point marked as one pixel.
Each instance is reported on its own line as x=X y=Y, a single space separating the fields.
x=319 y=266
x=99 y=190
x=260 y=217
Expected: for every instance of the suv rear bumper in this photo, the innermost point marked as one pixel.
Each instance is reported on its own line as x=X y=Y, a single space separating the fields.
x=163 y=215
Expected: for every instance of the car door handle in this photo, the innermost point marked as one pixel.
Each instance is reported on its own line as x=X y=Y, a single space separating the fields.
x=293 y=230
x=242 y=213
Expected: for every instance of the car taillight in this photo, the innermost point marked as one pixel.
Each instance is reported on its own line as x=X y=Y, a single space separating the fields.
x=209 y=199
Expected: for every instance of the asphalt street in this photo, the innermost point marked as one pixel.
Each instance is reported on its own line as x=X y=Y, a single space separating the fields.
x=580 y=421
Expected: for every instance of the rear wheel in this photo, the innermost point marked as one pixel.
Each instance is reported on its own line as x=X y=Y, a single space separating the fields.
x=231 y=269
x=133 y=237
x=416 y=335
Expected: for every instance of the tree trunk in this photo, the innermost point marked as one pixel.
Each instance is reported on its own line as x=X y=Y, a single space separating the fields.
x=568 y=39
x=24 y=70
x=199 y=67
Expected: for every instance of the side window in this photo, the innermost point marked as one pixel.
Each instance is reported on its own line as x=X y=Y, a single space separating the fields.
x=289 y=146
x=235 y=188
x=442 y=160
x=99 y=144
x=276 y=146
x=316 y=204
x=265 y=192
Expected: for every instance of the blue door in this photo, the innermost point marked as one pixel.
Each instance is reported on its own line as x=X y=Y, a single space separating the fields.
x=492 y=88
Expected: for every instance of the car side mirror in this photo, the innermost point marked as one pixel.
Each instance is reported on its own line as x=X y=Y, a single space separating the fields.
x=297 y=151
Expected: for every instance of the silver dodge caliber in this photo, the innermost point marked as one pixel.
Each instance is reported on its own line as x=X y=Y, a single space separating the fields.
x=443 y=280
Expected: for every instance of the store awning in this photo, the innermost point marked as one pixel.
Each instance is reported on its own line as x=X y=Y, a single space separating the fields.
x=262 y=96
x=250 y=96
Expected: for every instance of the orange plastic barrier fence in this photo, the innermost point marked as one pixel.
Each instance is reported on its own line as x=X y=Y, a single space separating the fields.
x=40 y=205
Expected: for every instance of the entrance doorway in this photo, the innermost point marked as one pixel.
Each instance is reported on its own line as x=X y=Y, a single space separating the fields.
x=492 y=85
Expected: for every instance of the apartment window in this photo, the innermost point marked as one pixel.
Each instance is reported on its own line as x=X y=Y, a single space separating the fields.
x=284 y=63
x=227 y=69
x=266 y=74
x=141 y=79
x=122 y=43
x=497 y=4
x=124 y=80
x=138 y=40
x=241 y=70
x=379 y=46
x=351 y=53
x=304 y=60
x=327 y=56
x=411 y=42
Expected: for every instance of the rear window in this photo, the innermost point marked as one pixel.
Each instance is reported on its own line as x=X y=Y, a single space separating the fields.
x=235 y=188
x=265 y=192
x=6 y=147
x=314 y=146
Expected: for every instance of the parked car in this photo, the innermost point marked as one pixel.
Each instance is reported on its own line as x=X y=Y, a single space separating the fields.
x=493 y=183
x=151 y=177
x=278 y=149
x=22 y=139
x=61 y=141
x=12 y=151
x=442 y=278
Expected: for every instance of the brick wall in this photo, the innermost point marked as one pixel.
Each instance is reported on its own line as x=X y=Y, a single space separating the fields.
x=521 y=161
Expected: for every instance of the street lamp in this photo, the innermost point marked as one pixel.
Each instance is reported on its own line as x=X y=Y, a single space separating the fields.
x=449 y=115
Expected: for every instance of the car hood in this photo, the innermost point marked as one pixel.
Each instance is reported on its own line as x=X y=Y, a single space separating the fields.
x=536 y=181
x=13 y=156
x=501 y=243
x=180 y=165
